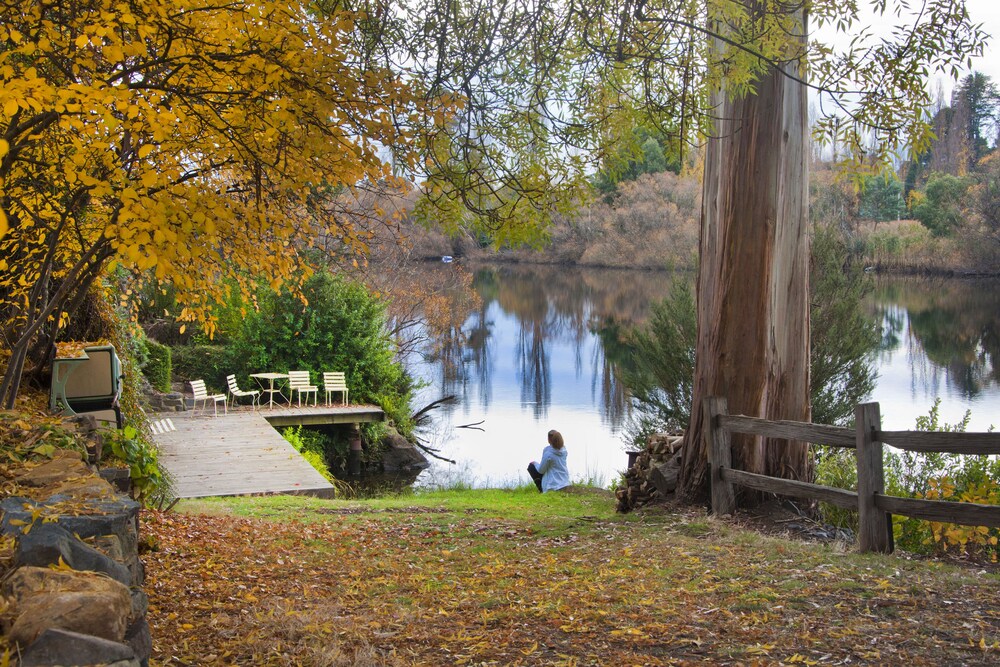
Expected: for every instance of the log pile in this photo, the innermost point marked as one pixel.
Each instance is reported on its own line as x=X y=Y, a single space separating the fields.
x=653 y=476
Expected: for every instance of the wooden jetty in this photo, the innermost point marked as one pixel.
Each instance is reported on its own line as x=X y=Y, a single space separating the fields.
x=242 y=453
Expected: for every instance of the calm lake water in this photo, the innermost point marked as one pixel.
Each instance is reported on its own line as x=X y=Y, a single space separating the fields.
x=528 y=360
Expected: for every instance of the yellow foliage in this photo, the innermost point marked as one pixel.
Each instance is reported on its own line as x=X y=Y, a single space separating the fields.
x=184 y=138
x=947 y=536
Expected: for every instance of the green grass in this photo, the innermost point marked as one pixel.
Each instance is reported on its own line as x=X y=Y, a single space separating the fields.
x=517 y=504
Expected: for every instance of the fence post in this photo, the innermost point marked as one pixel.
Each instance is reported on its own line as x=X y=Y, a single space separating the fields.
x=720 y=455
x=874 y=529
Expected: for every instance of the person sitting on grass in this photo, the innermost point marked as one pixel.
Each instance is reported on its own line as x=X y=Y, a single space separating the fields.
x=552 y=474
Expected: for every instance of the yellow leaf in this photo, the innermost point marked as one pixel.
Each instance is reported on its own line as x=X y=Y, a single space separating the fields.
x=145 y=150
x=183 y=327
x=10 y=107
x=61 y=566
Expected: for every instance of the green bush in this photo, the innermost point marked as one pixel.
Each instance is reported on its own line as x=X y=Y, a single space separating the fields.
x=157 y=368
x=656 y=361
x=838 y=467
x=338 y=326
x=931 y=475
x=202 y=362
x=940 y=207
x=949 y=477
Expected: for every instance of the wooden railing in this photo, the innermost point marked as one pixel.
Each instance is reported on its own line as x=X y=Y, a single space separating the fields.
x=875 y=509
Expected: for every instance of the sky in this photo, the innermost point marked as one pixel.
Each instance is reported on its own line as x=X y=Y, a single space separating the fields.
x=985 y=12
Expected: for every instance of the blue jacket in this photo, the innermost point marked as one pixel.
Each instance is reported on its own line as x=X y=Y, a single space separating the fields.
x=555 y=473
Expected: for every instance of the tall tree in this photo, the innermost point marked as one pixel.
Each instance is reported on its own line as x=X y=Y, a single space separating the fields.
x=754 y=270
x=978 y=94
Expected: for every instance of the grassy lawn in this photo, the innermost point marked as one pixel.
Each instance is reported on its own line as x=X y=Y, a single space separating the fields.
x=510 y=577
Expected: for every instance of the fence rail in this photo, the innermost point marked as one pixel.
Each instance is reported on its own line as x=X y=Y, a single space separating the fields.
x=875 y=509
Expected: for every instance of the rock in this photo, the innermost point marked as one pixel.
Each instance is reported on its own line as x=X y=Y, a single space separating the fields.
x=110 y=546
x=83 y=602
x=47 y=543
x=69 y=649
x=81 y=488
x=401 y=456
x=117 y=516
x=140 y=604
x=140 y=640
x=119 y=478
x=55 y=471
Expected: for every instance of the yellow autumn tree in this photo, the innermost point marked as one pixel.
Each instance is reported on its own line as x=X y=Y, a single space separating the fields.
x=190 y=140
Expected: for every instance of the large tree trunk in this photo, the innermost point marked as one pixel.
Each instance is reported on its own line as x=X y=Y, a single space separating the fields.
x=753 y=279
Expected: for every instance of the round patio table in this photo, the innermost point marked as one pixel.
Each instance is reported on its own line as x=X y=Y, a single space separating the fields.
x=270 y=389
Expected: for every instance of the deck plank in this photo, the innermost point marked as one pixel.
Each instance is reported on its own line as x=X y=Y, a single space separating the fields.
x=241 y=453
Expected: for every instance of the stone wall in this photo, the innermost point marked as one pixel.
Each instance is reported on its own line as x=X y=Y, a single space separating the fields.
x=73 y=591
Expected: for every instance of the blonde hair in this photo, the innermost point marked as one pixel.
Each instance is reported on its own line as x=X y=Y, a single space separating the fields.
x=556 y=439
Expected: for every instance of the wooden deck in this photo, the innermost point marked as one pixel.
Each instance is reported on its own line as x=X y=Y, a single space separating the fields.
x=241 y=453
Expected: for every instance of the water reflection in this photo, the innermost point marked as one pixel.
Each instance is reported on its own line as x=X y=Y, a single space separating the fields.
x=548 y=315
x=526 y=358
x=941 y=338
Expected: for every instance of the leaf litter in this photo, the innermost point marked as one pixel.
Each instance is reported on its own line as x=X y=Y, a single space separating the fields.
x=346 y=585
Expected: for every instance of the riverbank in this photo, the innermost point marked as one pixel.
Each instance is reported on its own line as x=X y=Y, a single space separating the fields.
x=512 y=577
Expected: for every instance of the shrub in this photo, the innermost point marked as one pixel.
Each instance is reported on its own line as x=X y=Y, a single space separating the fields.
x=656 y=361
x=336 y=326
x=202 y=362
x=844 y=337
x=157 y=368
x=941 y=207
x=149 y=483
x=933 y=476
x=949 y=477
x=838 y=467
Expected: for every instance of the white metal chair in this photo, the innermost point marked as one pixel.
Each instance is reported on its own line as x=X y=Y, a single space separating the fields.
x=235 y=392
x=201 y=394
x=298 y=381
x=334 y=382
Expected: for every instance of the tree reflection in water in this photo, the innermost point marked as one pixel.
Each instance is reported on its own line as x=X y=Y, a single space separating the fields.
x=545 y=316
x=527 y=355
x=951 y=331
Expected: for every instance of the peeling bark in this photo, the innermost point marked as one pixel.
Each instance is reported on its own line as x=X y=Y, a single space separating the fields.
x=753 y=278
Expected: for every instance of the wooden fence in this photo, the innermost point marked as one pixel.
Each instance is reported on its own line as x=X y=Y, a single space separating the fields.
x=875 y=509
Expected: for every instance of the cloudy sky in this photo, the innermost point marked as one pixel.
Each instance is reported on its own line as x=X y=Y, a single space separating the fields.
x=987 y=12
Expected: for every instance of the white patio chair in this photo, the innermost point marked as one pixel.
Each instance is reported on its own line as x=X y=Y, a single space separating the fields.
x=235 y=392
x=334 y=382
x=298 y=381
x=201 y=394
